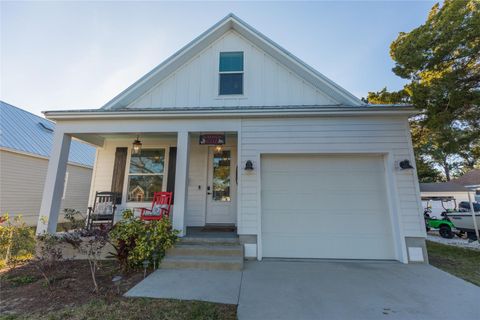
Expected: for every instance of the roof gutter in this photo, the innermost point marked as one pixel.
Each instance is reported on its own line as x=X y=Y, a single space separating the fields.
x=230 y=113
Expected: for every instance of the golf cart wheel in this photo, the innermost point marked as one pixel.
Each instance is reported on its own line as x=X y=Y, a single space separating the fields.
x=446 y=232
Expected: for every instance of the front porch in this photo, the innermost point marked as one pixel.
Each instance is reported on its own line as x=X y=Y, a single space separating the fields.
x=203 y=178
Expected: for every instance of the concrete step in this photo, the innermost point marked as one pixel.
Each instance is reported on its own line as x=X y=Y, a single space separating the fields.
x=210 y=241
x=202 y=262
x=182 y=249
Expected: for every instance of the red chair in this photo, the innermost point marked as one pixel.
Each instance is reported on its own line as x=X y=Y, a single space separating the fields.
x=161 y=205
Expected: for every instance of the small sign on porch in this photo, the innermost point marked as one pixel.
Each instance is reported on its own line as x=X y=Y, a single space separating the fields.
x=213 y=139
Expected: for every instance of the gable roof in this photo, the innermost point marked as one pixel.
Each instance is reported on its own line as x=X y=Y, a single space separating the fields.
x=25 y=132
x=470 y=178
x=231 y=21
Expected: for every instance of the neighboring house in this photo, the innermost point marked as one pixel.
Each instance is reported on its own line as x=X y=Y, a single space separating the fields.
x=457 y=188
x=25 y=144
x=307 y=169
x=471 y=180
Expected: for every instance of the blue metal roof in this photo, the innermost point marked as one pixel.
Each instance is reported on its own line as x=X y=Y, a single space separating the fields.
x=23 y=131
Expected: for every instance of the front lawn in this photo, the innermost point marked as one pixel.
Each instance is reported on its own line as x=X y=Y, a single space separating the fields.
x=135 y=308
x=25 y=295
x=463 y=263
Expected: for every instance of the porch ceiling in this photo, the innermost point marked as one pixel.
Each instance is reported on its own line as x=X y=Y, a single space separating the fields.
x=98 y=140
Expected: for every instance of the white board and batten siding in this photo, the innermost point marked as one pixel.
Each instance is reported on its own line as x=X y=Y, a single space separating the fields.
x=331 y=135
x=266 y=82
x=21 y=186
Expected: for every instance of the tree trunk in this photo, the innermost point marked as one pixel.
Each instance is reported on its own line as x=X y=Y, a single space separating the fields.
x=447 y=171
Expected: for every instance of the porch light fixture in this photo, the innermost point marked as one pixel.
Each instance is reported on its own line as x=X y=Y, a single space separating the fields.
x=218 y=148
x=405 y=164
x=136 y=146
x=249 y=165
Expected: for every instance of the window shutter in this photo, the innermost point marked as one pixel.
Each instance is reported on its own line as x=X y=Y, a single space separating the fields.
x=172 y=164
x=119 y=172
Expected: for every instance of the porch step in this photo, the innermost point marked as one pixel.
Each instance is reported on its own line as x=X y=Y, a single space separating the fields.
x=209 y=240
x=209 y=253
x=203 y=262
x=218 y=250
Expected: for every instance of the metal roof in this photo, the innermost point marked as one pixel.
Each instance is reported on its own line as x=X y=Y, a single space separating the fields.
x=23 y=131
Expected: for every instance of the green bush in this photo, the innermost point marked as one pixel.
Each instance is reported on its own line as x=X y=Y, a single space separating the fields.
x=136 y=241
x=17 y=241
x=74 y=220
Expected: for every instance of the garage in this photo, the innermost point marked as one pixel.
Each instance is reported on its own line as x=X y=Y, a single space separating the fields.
x=325 y=206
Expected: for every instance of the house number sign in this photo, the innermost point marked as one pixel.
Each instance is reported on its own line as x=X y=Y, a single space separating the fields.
x=213 y=139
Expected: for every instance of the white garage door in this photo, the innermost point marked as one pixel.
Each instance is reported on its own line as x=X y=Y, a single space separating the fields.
x=317 y=206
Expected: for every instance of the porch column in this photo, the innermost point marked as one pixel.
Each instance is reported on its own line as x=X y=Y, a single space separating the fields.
x=54 y=183
x=181 y=182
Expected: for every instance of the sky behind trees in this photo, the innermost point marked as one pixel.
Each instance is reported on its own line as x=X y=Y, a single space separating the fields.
x=74 y=55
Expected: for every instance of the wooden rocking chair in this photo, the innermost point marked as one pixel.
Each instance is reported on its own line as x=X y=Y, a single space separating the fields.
x=103 y=210
x=161 y=206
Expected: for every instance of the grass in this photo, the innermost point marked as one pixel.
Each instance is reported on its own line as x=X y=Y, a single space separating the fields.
x=463 y=263
x=133 y=309
x=20 y=280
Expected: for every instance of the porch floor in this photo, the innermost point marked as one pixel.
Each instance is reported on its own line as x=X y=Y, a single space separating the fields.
x=212 y=232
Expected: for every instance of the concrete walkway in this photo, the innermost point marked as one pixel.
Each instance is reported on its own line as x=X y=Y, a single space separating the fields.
x=323 y=290
x=190 y=284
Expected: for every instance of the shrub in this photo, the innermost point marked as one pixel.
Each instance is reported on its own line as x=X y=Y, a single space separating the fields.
x=89 y=243
x=49 y=254
x=17 y=240
x=75 y=219
x=136 y=241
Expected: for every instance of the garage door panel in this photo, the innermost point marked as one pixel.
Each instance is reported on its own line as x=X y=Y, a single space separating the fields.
x=310 y=247
x=303 y=180
x=328 y=163
x=325 y=207
x=314 y=223
x=322 y=202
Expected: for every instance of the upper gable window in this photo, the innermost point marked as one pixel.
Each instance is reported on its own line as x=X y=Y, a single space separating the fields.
x=231 y=73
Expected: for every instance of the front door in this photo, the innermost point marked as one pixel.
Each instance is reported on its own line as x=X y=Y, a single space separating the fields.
x=221 y=187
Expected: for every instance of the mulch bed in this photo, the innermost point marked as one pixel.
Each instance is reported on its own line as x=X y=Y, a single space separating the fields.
x=24 y=290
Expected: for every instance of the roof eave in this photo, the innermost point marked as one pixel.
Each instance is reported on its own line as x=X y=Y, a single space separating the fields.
x=261 y=112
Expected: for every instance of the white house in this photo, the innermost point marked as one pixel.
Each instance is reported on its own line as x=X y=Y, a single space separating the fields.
x=307 y=169
x=25 y=143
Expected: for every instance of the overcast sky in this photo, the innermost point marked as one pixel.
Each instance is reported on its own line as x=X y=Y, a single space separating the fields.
x=73 y=55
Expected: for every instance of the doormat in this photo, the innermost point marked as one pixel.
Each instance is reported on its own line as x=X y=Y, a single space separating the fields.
x=218 y=229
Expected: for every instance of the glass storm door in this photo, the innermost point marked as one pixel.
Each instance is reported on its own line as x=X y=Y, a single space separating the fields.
x=221 y=187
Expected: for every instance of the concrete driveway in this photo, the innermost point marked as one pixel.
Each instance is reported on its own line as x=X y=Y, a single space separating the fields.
x=354 y=290
x=298 y=290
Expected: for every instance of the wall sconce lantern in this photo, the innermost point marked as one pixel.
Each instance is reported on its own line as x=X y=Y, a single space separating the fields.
x=405 y=164
x=249 y=165
x=136 y=146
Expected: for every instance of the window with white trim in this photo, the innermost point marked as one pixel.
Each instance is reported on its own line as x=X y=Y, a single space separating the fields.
x=146 y=174
x=231 y=73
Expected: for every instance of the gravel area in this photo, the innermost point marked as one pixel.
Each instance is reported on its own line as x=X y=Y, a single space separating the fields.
x=456 y=241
